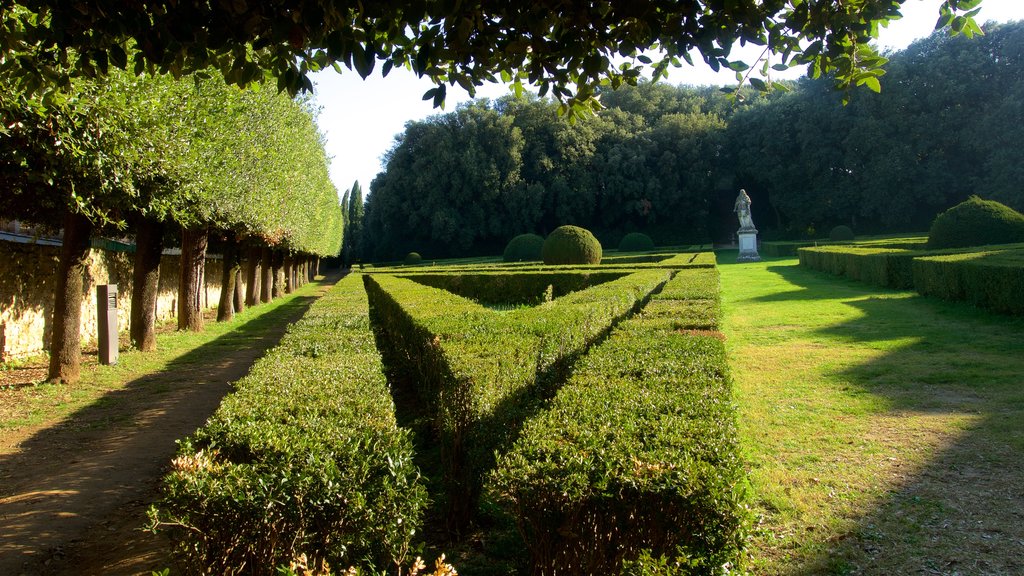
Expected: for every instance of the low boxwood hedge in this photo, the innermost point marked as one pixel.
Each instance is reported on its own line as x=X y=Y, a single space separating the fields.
x=482 y=373
x=526 y=288
x=636 y=460
x=887 y=267
x=305 y=457
x=993 y=280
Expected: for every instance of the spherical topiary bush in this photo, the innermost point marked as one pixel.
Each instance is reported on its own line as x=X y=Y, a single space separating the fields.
x=840 y=233
x=571 y=245
x=413 y=258
x=524 y=248
x=976 y=222
x=636 y=242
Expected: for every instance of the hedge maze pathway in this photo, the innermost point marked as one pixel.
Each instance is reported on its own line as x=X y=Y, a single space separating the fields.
x=74 y=496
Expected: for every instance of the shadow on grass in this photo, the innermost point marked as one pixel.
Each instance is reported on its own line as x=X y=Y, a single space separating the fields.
x=963 y=511
x=77 y=491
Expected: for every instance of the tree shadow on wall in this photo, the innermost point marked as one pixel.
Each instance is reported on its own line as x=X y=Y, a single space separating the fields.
x=962 y=512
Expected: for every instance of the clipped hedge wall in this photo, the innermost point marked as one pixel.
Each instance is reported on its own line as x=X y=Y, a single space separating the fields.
x=524 y=248
x=637 y=459
x=413 y=258
x=304 y=458
x=993 y=280
x=636 y=242
x=523 y=288
x=482 y=373
x=887 y=267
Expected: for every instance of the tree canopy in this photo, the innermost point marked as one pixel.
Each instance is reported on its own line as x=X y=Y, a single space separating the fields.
x=566 y=49
x=668 y=161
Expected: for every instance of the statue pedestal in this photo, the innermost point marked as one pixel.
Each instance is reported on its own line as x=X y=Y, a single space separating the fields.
x=748 y=245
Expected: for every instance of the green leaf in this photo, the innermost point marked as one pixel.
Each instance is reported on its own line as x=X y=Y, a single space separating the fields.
x=872 y=83
x=759 y=84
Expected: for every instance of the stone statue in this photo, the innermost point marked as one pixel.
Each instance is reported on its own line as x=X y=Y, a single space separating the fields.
x=742 y=210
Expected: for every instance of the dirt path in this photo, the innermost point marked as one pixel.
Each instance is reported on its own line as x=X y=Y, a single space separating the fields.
x=73 y=497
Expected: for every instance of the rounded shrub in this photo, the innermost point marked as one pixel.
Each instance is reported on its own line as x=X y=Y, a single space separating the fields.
x=571 y=245
x=413 y=258
x=524 y=248
x=976 y=222
x=636 y=242
x=841 y=233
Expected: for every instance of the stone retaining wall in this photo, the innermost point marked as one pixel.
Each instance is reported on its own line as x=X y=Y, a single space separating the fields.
x=28 y=277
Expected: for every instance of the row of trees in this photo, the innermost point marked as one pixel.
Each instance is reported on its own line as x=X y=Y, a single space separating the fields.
x=668 y=161
x=191 y=162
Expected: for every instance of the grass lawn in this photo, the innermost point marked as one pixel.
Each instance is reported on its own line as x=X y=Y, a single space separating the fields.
x=884 y=431
x=27 y=402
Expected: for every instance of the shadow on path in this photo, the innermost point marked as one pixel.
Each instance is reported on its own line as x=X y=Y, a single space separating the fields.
x=73 y=499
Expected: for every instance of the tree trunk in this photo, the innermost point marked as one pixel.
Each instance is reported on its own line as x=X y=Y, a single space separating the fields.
x=266 y=263
x=239 y=297
x=149 y=245
x=316 y=269
x=66 y=344
x=289 y=276
x=303 y=270
x=190 y=287
x=252 y=277
x=229 y=273
x=277 y=262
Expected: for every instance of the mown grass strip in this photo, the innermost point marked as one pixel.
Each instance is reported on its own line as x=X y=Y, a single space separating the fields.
x=304 y=458
x=884 y=431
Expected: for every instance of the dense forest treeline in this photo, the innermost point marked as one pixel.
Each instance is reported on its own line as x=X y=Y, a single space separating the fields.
x=669 y=161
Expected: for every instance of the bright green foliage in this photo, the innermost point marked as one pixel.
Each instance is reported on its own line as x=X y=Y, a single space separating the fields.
x=480 y=372
x=976 y=222
x=523 y=248
x=188 y=151
x=413 y=258
x=993 y=280
x=888 y=267
x=841 y=233
x=568 y=53
x=571 y=245
x=636 y=242
x=638 y=451
x=515 y=288
x=304 y=458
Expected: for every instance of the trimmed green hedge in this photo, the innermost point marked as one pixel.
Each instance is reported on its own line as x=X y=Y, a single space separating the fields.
x=305 y=457
x=993 y=280
x=481 y=373
x=636 y=242
x=637 y=459
x=887 y=267
x=571 y=245
x=524 y=248
x=524 y=288
x=879 y=266
x=976 y=222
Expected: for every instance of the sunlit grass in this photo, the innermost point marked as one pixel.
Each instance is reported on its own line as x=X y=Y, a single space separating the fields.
x=29 y=406
x=854 y=401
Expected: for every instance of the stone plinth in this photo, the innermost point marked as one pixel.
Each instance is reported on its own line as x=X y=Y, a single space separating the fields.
x=748 y=245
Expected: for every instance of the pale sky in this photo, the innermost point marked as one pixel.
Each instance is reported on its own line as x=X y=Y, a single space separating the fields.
x=361 y=117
